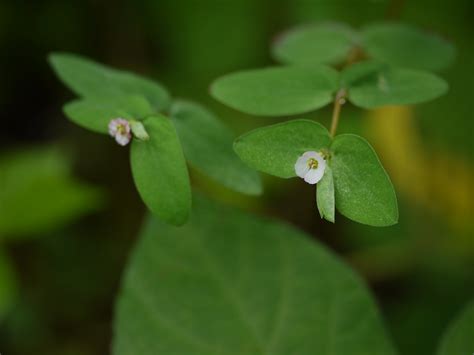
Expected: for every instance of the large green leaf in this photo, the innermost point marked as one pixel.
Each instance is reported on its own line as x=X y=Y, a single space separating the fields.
x=325 y=196
x=160 y=172
x=207 y=145
x=363 y=189
x=459 y=338
x=406 y=46
x=38 y=193
x=275 y=149
x=277 y=91
x=231 y=283
x=326 y=43
x=95 y=114
x=90 y=79
x=373 y=84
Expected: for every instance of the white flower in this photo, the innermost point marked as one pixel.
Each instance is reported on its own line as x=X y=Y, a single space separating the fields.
x=310 y=167
x=119 y=128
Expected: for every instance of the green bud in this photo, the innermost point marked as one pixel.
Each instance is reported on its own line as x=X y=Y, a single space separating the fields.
x=138 y=130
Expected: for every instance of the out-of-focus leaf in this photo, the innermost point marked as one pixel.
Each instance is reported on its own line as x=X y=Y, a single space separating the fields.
x=93 y=80
x=95 y=114
x=8 y=285
x=406 y=46
x=325 y=196
x=373 y=84
x=231 y=283
x=275 y=149
x=207 y=145
x=363 y=189
x=37 y=193
x=277 y=91
x=459 y=338
x=160 y=172
x=325 y=43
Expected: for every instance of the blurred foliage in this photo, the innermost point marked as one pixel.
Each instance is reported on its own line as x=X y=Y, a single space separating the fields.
x=421 y=269
x=8 y=286
x=37 y=193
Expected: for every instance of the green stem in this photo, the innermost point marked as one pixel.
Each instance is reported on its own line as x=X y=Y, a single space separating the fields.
x=339 y=100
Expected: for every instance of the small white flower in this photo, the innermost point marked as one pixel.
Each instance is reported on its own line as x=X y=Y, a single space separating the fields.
x=310 y=167
x=119 y=128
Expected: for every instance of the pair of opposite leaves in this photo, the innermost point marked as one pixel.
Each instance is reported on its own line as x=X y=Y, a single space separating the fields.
x=394 y=75
x=355 y=181
x=159 y=163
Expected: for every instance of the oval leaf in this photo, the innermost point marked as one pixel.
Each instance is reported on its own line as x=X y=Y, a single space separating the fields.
x=160 y=172
x=372 y=84
x=95 y=114
x=406 y=46
x=231 y=283
x=363 y=189
x=275 y=149
x=459 y=338
x=207 y=145
x=90 y=79
x=277 y=91
x=326 y=43
x=325 y=196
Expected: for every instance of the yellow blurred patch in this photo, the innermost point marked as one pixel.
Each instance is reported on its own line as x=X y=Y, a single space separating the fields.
x=438 y=181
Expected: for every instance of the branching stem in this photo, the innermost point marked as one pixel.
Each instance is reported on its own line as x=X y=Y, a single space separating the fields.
x=339 y=100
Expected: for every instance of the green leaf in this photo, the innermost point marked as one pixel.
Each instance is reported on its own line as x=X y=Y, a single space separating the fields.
x=230 y=283
x=326 y=43
x=160 y=172
x=363 y=189
x=8 y=285
x=207 y=145
x=459 y=338
x=406 y=46
x=38 y=193
x=277 y=91
x=372 y=84
x=274 y=149
x=325 y=196
x=93 y=80
x=95 y=114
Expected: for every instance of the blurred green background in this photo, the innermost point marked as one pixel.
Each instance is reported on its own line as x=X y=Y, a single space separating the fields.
x=69 y=213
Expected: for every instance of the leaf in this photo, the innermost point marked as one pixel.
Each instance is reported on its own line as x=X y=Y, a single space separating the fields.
x=277 y=91
x=95 y=114
x=326 y=43
x=93 y=80
x=207 y=145
x=459 y=338
x=406 y=46
x=372 y=84
x=363 y=189
x=230 y=283
x=38 y=193
x=275 y=149
x=325 y=196
x=160 y=172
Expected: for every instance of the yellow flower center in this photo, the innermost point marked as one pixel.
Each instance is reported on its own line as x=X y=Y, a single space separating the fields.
x=121 y=129
x=313 y=163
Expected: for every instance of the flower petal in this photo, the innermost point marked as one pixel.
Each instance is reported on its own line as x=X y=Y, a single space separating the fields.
x=122 y=139
x=311 y=154
x=301 y=166
x=314 y=175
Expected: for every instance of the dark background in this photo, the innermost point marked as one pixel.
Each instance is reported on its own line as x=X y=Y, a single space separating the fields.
x=420 y=270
